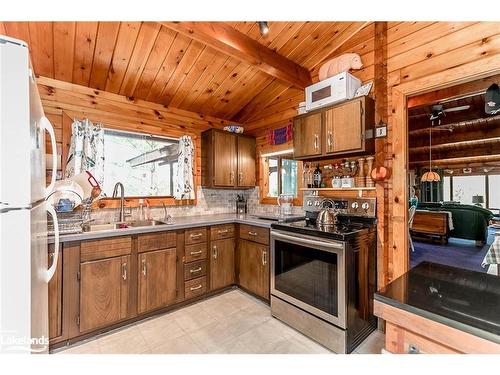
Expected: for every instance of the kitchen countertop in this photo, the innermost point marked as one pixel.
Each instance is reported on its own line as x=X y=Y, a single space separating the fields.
x=462 y=299
x=179 y=223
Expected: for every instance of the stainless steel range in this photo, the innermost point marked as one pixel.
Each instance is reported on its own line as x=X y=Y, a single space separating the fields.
x=323 y=277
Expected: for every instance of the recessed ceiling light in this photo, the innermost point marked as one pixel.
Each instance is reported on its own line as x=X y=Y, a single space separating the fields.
x=264 y=27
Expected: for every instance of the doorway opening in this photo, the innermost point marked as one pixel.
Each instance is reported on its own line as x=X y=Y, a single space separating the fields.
x=453 y=176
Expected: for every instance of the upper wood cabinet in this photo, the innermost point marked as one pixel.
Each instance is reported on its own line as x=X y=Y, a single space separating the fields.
x=157 y=279
x=308 y=135
x=228 y=160
x=344 y=129
x=104 y=292
x=246 y=162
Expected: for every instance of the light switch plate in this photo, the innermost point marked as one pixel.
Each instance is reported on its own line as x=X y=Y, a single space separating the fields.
x=381 y=131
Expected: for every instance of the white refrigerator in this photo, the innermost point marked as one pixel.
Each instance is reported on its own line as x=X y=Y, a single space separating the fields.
x=24 y=268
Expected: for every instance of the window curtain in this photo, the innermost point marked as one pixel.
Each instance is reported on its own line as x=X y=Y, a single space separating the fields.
x=86 y=151
x=184 y=186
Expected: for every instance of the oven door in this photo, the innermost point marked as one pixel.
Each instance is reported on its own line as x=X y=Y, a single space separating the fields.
x=309 y=273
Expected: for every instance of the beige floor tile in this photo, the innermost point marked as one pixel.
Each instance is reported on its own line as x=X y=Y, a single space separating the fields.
x=239 y=299
x=373 y=344
x=212 y=337
x=234 y=346
x=193 y=318
x=157 y=331
x=311 y=346
x=219 y=307
x=243 y=321
x=180 y=345
x=90 y=347
x=262 y=339
x=127 y=341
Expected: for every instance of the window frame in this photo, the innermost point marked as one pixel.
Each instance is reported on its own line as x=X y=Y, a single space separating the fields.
x=140 y=135
x=486 y=189
x=264 y=179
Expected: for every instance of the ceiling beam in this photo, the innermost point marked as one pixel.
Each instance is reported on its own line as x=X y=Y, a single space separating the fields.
x=488 y=148
x=224 y=38
x=465 y=161
x=457 y=91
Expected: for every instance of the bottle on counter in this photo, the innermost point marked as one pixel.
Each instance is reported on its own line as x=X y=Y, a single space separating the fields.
x=317 y=177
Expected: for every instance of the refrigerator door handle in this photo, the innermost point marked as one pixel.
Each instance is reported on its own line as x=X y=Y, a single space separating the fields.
x=52 y=270
x=50 y=129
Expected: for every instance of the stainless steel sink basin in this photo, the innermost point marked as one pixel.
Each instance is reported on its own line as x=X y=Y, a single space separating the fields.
x=116 y=226
x=145 y=223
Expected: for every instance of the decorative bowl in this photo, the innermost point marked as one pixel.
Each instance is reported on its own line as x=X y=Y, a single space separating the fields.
x=234 y=129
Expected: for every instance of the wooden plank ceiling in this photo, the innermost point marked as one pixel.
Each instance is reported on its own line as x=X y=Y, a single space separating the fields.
x=465 y=138
x=149 y=61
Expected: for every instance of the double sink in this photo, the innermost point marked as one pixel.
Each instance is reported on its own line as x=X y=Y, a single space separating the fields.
x=122 y=225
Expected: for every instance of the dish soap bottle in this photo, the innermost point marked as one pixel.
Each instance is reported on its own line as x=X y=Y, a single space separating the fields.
x=317 y=177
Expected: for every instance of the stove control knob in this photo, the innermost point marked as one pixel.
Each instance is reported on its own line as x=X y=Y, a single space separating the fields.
x=309 y=203
x=317 y=203
x=365 y=206
x=355 y=205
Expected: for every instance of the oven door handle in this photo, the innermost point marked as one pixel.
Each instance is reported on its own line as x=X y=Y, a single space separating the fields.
x=333 y=245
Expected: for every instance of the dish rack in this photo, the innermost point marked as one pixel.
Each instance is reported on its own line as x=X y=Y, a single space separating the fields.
x=70 y=222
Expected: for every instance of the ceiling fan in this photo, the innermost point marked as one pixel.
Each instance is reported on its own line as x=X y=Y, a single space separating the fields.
x=438 y=110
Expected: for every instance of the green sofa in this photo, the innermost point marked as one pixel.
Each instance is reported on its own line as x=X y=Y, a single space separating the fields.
x=469 y=222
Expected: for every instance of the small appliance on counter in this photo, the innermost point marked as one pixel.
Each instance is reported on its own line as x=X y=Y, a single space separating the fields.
x=241 y=204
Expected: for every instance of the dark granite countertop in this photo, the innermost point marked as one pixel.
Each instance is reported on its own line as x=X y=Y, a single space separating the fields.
x=462 y=299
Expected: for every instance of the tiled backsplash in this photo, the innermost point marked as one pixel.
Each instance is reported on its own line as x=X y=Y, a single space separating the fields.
x=210 y=201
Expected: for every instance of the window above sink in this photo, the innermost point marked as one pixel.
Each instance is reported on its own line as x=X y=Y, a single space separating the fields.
x=146 y=165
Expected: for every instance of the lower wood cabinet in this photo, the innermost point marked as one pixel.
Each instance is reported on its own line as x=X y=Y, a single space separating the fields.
x=222 y=263
x=157 y=279
x=104 y=292
x=253 y=267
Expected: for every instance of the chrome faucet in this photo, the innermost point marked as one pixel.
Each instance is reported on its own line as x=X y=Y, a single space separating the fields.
x=122 y=200
x=168 y=218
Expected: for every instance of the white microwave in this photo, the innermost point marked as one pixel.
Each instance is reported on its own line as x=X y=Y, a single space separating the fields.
x=332 y=90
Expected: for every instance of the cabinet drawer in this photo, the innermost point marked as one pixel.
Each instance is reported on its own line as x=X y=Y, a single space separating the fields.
x=256 y=234
x=197 y=235
x=156 y=241
x=106 y=248
x=220 y=232
x=195 y=269
x=196 y=287
x=195 y=252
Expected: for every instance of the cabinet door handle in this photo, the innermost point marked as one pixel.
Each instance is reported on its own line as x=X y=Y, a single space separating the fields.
x=231 y=177
x=215 y=252
x=252 y=233
x=222 y=231
x=196 y=235
x=240 y=176
x=264 y=258
x=195 y=270
x=316 y=142
x=124 y=271
x=330 y=141
x=144 y=268
x=196 y=252
x=196 y=287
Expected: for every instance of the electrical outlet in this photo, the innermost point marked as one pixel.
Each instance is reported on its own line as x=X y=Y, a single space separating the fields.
x=381 y=131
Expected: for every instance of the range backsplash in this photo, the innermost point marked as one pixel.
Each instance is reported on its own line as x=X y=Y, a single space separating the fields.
x=209 y=201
